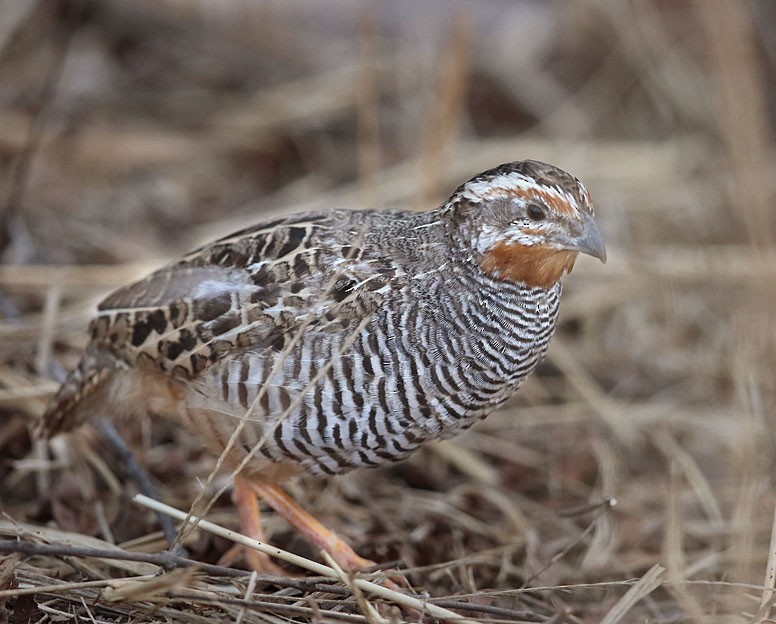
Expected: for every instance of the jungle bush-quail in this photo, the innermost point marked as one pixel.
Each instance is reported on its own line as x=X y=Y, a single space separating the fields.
x=327 y=341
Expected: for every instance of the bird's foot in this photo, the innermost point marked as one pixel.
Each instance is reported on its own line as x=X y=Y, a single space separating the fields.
x=320 y=536
x=349 y=559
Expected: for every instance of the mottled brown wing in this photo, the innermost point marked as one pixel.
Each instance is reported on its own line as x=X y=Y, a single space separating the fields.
x=248 y=290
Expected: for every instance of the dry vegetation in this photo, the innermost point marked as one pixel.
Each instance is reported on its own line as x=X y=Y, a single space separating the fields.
x=132 y=131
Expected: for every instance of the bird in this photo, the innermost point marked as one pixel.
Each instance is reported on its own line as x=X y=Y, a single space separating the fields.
x=332 y=340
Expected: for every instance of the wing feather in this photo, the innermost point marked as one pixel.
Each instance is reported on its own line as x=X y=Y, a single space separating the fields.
x=249 y=289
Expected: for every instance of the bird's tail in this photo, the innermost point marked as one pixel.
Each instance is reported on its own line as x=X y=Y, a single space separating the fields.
x=65 y=411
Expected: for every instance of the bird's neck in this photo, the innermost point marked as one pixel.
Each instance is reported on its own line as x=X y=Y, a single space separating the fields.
x=502 y=295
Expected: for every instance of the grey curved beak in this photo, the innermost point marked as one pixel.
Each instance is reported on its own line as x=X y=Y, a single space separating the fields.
x=590 y=241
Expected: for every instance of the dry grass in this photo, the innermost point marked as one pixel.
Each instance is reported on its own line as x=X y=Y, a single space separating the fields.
x=133 y=131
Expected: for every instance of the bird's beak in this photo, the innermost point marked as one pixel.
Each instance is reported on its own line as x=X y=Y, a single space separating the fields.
x=590 y=241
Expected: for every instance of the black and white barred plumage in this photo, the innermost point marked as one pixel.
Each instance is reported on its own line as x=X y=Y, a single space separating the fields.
x=335 y=340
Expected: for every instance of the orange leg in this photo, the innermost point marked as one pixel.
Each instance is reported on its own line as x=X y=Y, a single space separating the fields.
x=312 y=530
x=309 y=527
x=250 y=524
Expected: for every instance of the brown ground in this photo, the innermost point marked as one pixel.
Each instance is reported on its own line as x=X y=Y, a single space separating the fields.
x=131 y=131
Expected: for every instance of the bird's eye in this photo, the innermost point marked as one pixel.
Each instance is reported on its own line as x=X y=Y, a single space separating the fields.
x=535 y=212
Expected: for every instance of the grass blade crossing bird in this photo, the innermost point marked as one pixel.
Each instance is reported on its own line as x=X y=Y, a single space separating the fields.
x=328 y=341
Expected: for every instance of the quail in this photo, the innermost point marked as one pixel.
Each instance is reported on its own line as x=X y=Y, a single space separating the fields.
x=333 y=340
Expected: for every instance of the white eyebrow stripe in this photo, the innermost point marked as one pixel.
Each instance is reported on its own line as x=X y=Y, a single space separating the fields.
x=501 y=184
x=504 y=185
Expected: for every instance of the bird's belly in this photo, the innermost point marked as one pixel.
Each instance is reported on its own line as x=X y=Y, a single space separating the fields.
x=338 y=401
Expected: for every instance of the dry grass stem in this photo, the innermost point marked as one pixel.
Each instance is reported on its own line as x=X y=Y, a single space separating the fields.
x=643 y=588
x=307 y=564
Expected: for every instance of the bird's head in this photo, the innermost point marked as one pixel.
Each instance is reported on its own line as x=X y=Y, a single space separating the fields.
x=526 y=222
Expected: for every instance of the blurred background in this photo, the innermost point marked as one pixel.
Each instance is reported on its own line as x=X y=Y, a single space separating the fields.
x=133 y=131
